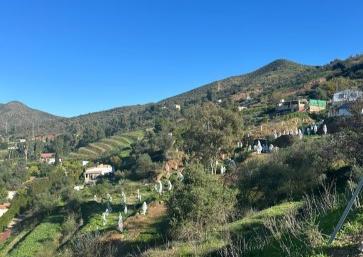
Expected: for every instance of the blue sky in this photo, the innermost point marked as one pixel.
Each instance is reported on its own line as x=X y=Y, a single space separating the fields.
x=70 y=57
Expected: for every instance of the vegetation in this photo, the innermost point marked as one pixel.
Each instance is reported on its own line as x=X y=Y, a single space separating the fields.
x=218 y=196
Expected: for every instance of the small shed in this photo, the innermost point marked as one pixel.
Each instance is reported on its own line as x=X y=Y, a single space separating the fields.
x=316 y=105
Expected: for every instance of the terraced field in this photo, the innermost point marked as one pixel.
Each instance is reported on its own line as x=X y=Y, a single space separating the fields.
x=119 y=142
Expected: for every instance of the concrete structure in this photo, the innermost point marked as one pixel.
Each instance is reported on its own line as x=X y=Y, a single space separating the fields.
x=345 y=96
x=343 y=101
x=291 y=106
x=92 y=174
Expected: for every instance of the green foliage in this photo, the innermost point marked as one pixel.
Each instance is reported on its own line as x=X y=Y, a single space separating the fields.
x=144 y=166
x=199 y=204
x=283 y=141
x=211 y=131
x=46 y=234
x=18 y=204
x=69 y=225
x=12 y=174
x=289 y=173
x=3 y=193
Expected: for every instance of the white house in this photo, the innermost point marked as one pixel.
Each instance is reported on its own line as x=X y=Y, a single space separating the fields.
x=92 y=174
x=343 y=102
x=348 y=95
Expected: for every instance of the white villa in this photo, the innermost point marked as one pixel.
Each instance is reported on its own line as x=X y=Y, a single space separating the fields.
x=91 y=174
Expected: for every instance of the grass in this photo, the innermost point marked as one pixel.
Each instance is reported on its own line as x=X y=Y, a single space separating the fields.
x=47 y=232
x=258 y=218
x=92 y=211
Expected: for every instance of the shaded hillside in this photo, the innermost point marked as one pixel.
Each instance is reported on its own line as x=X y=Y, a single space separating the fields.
x=17 y=118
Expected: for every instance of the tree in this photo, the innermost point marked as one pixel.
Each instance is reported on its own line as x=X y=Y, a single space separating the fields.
x=144 y=166
x=210 y=131
x=211 y=95
x=199 y=204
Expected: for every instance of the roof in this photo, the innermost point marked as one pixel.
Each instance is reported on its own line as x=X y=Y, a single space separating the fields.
x=318 y=103
x=47 y=155
x=100 y=169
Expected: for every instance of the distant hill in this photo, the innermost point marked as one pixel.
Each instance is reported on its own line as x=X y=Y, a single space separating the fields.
x=17 y=118
x=279 y=79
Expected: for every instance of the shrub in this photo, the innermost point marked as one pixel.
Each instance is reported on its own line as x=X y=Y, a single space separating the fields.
x=199 y=204
x=289 y=173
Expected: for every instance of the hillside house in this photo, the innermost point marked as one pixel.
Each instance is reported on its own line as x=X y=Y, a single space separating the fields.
x=316 y=105
x=92 y=174
x=291 y=106
x=343 y=101
x=345 y=96
x=48 y=158
x=178 y=107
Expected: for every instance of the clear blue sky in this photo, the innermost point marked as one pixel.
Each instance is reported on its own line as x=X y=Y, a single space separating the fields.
x=71 y=57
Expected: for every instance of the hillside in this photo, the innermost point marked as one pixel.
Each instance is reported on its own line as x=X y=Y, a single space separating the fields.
x=107 y=146
x=17 y=118
x=277 y=73
x=263 y=87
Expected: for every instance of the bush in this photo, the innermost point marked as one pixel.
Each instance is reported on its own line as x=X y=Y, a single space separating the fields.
x=288 y=174
x=199 y=204
x=69 y=225
x=144 y=166
x=284 y=141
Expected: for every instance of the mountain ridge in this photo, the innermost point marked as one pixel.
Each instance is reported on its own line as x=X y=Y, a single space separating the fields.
x=279 y=75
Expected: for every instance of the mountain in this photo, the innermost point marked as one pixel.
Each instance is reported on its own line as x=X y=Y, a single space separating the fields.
x=263 y=87
x=17 y=118
x=278 y=73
